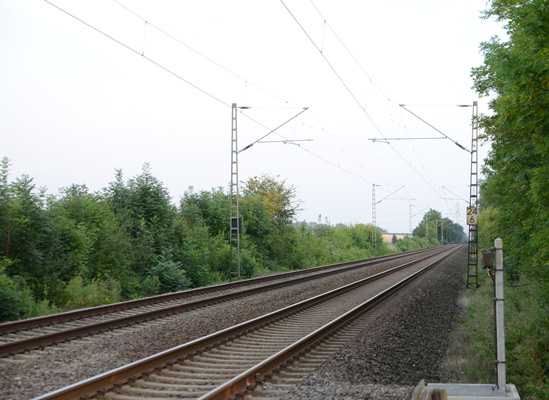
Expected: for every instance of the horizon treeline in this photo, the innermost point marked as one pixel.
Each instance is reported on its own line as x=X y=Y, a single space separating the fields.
x=128 y=240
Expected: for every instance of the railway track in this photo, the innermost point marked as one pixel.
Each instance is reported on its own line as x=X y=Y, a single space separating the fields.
x=261 y=356
x=37 y=333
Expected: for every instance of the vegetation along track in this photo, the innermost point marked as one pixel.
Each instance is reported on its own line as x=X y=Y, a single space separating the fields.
x=21 y=336
x=228 y=362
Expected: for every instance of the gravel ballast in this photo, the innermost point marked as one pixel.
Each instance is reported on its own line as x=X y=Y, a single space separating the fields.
x=374 y=365
x=407 y=343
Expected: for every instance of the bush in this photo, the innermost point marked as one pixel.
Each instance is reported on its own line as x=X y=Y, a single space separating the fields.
x=526 y=337
x=150 y=286
x=171 y=276
x=43 y=307
x=14 y=300
x=77 y=294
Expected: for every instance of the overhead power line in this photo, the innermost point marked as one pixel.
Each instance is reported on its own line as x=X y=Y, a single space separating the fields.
x=164 y=32
x=406 y=138
x=273 y=130
x=333 y=69
x=438 y=130
x=217 y=99
x=142 y=54
x=348 y=89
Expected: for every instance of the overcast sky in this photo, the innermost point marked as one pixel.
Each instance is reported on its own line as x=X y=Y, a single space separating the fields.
x=75 y=105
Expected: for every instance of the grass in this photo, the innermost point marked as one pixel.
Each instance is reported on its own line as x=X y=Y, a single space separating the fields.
x=471 y=355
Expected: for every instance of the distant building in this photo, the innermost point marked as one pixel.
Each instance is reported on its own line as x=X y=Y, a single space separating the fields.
x=388 y=237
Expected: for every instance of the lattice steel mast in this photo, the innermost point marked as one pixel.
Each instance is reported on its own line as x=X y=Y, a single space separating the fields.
x=235 y=227
x=374 y=232
x=472 y=210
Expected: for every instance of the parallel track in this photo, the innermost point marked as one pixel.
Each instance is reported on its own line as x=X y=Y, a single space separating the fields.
x=236 y=359
x=21 y=336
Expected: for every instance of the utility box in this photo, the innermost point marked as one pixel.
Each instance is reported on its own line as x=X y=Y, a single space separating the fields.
x=487 y=259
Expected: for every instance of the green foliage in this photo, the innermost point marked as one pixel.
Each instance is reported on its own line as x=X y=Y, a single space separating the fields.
x=42 y=307
x=516 y=73
x=210 y=208
x=412 y=243
x=81 y=249
x=477 y=348
x=79 y=294
x=488 y=226
x=14 y=300
x=526 y=331
x=171 y=276
x=439 y=230
x=279 y=199
x=527 y=337
x=515 y=193
x=322 y=244
x=143 y=209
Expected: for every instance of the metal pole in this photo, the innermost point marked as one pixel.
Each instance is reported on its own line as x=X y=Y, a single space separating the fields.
x=427 y=226
x=234 y=229
x=500 y=316
x=472 y=259
x=374 y=233
x=442 y=232
x=410 y=223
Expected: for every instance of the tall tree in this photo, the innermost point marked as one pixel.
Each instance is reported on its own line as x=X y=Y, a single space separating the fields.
x=143 y=208
x=428 y=225
x=279 y=199
x=516 y=73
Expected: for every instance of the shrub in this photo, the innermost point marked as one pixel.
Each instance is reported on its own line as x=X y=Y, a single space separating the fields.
x=171 y=276
x=78 y=294
x=14 y=299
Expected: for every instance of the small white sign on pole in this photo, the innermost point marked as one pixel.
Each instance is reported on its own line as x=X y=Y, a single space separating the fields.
x=472 y=215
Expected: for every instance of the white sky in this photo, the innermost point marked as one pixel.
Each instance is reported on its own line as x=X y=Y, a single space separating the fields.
x=75 y=105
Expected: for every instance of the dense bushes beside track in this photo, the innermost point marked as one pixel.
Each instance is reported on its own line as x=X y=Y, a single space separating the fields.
x=81 y=249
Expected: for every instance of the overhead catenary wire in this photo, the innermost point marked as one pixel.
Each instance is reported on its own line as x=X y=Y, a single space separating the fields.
x=217 y=99
x=209 y=59
x=143 y=52
x=349 y=51
x=436 y=129
x=333 y=68
x=140 y=54
x=353 y=96
x=273 y=130
x=390 y=194
x=425 y=175
x=147 y=22
x=342 y=149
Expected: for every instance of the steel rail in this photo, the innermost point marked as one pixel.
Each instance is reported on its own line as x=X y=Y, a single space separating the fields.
x=36 y=342
x=69 y=316
x=248 y=378
x=119 y=376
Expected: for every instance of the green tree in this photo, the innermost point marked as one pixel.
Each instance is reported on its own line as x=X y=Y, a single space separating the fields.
x=14 y=298
x=109 y=251
x=515 y=193
x=279 y=199
x=269 y=208
x=24 y=229
x=516 y=74
x=143 y=208
x=428 y=226
x=211 y=207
